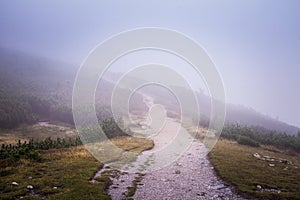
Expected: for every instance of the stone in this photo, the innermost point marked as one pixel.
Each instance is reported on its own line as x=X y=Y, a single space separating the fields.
x=272 y=190
x=177 y=171
x=217 y=186
x=29 y=187
x=256 y=155
x=15 y=183
x=259 y=187
x=201 y=194
x=272 y=165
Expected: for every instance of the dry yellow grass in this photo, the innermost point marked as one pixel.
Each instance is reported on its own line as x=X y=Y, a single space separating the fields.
x=119 y=150
x=8 y=138
x=37 y=132
x=73 y=153
x=133 y=144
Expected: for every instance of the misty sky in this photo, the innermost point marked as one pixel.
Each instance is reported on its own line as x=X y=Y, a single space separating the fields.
x=255 y=44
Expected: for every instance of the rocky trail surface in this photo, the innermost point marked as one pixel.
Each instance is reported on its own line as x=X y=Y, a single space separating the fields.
x=190 y=177
x=180 y=172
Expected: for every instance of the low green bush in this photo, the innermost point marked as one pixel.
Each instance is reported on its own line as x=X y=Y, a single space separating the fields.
x=29 y=150
x=244 y=140
x=261 y=136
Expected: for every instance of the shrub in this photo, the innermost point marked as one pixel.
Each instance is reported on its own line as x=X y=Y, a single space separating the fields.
x=31 y=149
x=244 y=140
x=262 y=136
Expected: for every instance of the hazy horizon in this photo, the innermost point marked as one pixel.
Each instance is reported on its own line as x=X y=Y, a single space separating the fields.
x=255 y=45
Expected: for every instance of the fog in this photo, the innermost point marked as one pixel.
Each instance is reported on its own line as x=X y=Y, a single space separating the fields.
x=254 y=44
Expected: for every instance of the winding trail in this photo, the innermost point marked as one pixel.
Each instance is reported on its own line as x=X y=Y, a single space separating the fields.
x=189 y=176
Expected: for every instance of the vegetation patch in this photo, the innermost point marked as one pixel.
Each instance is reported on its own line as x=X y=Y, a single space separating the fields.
x=64 y=174
x=132 y=189
x=252 y=135
x=244 y=140
x=10 y=153
x=125 y=149
x=257 y=171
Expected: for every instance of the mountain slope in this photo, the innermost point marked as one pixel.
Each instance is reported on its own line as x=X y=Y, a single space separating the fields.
x=33 y=88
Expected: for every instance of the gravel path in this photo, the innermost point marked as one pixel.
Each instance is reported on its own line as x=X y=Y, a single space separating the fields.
x=170 y=170
x=190 y=177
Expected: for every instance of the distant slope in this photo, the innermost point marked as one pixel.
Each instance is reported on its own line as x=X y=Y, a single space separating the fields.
x=247 y=116
x=33 y=88
x=234 y=113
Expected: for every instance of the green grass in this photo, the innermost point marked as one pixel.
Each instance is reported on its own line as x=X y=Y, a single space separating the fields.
x=236 y=164
x=67 y=169
x=62 y=173
x=132 y=189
